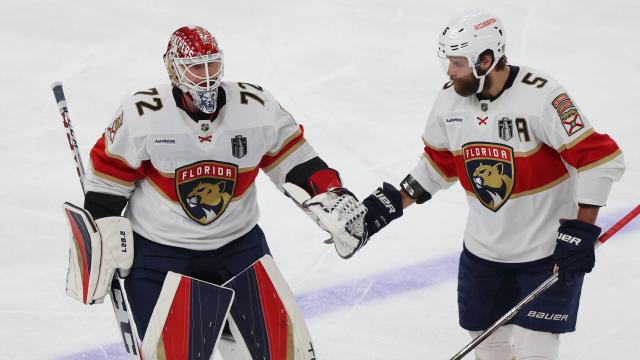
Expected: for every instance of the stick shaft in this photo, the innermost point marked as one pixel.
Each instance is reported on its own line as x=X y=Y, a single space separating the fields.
x=117 y=294
x=61 y=100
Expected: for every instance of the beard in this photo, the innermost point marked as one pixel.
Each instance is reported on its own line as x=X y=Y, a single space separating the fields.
x=469 y=84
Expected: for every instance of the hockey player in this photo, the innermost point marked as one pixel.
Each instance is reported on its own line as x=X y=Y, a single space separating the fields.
x=182 y=158
x=528 y=159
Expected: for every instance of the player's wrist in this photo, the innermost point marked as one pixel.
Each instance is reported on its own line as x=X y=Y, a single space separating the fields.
x=383 y=206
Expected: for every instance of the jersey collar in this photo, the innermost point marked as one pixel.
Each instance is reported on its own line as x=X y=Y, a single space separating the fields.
x=513 y=72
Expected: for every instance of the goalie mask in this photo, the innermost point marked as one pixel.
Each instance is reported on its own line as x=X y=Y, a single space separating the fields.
x=194 y=62
x=465 y=38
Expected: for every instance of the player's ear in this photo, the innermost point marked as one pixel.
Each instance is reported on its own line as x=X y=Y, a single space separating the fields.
x=485 y=61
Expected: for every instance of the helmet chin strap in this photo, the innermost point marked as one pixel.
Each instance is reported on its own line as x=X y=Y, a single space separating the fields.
x=481 y=77
x=481 y=85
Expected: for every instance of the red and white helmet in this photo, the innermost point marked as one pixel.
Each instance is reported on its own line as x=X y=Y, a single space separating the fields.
x=194 y=62
x=471 y=34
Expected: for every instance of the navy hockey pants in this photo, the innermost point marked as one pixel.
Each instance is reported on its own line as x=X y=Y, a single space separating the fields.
x=487 y=290
x=152 y=261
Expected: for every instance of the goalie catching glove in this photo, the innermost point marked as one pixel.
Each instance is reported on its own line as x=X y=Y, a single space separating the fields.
x=98 y=248
x=351 y=223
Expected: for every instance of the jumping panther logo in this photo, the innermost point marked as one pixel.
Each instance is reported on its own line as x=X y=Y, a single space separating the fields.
x=211 y=198
x=490 y=168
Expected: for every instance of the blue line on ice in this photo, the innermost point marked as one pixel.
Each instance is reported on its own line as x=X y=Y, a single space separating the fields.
x=360 y=291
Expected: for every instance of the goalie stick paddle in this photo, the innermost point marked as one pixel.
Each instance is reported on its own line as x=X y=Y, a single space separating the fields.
x=540 y=289
x=118 y=295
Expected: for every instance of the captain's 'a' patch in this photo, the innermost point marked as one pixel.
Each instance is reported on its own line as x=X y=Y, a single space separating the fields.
x=205 y=189
x=491 y=170
x=568 y=113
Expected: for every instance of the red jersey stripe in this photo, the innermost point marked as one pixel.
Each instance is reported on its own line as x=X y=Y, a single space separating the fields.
x=591 y=149
x=271 y=160
x=165 y=183
x=535 y=171
x=112 y=166
x=443 y=161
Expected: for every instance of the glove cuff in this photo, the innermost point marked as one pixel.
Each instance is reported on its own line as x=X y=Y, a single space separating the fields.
x=383 y=206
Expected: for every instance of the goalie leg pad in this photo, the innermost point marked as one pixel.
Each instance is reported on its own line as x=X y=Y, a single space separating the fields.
x=97 y=250
x=187 y=319
x=266 y=317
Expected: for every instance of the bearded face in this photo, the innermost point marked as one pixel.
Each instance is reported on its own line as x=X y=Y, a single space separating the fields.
x=466 y=85
x=460 y=73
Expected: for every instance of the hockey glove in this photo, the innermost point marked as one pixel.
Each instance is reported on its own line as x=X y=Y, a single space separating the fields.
x=383 y=206
x=574 y=253
x=350 y=222
x=98 y=249
x=339 y=213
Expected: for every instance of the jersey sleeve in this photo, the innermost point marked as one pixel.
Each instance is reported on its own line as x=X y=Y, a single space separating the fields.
x=116 y=160
x=288 y=147
x=436 y=168
x=596 y=157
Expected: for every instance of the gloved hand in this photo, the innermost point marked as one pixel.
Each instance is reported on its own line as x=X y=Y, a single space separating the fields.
x=574 y=253
x=350 y=222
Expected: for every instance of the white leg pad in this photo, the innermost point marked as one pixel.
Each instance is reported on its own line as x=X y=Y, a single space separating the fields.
x=535 y=345
x=497 y=346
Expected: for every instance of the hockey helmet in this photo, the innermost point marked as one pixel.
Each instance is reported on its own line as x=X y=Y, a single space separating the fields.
x=195 y=65
x=468 y=36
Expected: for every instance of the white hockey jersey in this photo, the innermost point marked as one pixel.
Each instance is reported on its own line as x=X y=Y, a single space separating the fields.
x=191 y=184
x=525 y=158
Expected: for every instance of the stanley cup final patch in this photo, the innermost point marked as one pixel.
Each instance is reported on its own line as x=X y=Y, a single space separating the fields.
x=239 y=146
x=491 y=171
x=569 y=116
x=205 y=189
x=505 y=128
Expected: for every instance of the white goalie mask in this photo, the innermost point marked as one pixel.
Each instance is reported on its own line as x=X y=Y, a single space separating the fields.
x=195 y=65
x=468 y=36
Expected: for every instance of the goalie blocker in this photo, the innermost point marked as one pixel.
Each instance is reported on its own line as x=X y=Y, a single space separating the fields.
x=98 y=248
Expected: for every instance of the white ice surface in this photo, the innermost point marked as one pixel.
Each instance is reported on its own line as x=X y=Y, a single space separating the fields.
x=361 y=76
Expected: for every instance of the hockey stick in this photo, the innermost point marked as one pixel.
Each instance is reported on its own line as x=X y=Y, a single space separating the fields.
x=540 y=289
x=117 y=294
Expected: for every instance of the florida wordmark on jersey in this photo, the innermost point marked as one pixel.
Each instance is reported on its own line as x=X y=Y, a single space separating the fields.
x=191 y=184
x=525 y=159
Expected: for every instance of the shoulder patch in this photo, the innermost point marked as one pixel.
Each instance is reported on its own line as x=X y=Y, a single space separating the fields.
x=568 y=114
x=114 y=126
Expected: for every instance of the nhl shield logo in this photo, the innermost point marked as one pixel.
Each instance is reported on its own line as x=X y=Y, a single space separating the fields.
x=491 y=171
x=205 y=189
x=505 y=128
x=239 y=146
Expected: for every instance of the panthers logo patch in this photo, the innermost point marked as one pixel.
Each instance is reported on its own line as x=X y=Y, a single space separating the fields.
x=113 y=128
x=491 y=171
x=205 y=189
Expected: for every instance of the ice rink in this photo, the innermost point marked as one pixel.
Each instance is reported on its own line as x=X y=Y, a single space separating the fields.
x=361 y=76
